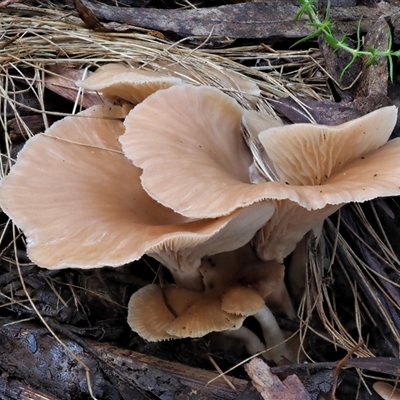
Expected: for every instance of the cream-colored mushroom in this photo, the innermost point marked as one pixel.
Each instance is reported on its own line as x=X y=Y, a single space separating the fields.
x=177 y=313
x=386 y=391
x=117 y=81
x=212 y=152
x=80 y=203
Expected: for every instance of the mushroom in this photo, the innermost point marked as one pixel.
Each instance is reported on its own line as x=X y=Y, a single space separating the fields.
x=210 y=152
x=80 y=203
x=386 y=391
x=117 y=81
x=319 y=167
x=178 y=313
x=223 y=305
x=266 y=278
x=326 y=158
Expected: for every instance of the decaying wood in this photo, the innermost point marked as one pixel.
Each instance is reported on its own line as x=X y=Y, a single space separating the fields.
x=116 y=373
x=273 y=20
x=383 y=365
x=13 y=389
x=61 y=80
x=271 y=387
x=174 y=378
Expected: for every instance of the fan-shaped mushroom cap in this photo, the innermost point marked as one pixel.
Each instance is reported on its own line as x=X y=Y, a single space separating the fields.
x=314 y=153
x=148 y=314
x=194 y=132
x=196 y=313
x=339 y=164
x=118 y=81
x=203 y=317
x=242 y=300
x=79 y=201
x=223 y=304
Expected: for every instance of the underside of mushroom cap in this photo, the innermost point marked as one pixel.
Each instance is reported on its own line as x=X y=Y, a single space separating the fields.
x=80 y=203
x=118 y=81
x=242 y=267
x=235 y=230
x=280 y=235
x=308 y=154
x=193 y=133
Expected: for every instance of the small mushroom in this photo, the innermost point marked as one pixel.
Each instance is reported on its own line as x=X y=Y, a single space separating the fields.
x=222 y=306
x=386 y=391
x=242 y=300
x=177 y=313
x=117 y=81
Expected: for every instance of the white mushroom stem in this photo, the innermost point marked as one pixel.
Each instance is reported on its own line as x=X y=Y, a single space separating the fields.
x=273 y=335
x=280 y=300
x=250 y=340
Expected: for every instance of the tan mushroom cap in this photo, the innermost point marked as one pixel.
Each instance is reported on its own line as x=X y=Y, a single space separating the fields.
x=149 y=316
x=242 y=300
x=203 y=317
x=313 y=153
x=197 y=313
x=191 y=133
x=195 y=131
x=80 y=203
x=386 y=391
x=118 y=81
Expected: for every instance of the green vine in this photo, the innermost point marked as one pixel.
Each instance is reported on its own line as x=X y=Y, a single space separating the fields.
x=325 y=28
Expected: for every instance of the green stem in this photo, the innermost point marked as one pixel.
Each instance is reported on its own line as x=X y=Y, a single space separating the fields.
x=326 y=28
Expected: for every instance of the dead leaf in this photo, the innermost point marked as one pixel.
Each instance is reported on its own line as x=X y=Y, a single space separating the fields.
x=62 y=80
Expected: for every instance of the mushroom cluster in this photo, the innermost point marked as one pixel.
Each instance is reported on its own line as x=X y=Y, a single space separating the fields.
x=166 y=172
